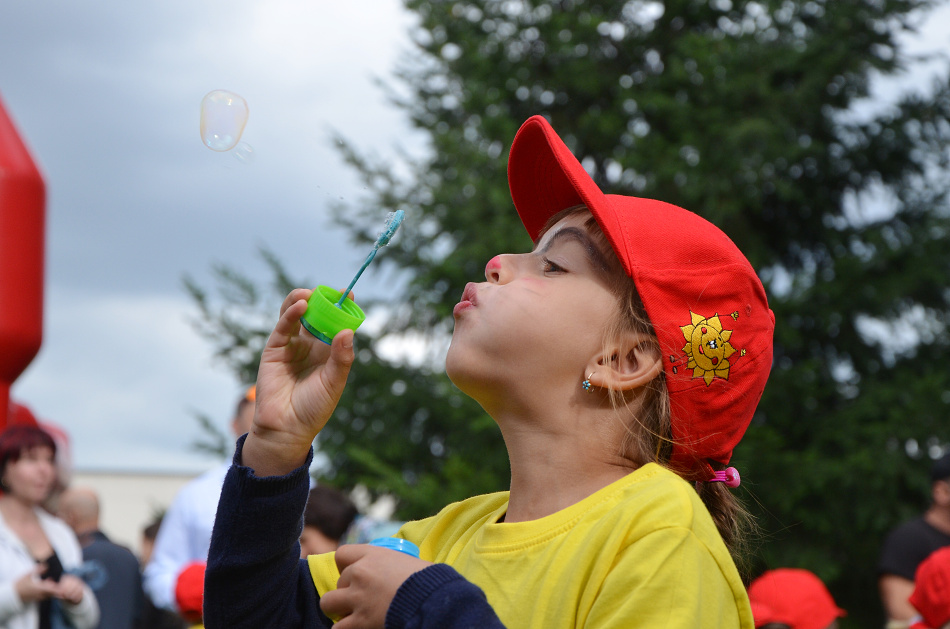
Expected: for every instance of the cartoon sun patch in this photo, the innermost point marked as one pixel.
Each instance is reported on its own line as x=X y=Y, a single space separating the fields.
x=708 y=347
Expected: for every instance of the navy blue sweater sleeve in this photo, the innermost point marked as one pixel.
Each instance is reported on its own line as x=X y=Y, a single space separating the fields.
x=255 y=577
x=438 y=597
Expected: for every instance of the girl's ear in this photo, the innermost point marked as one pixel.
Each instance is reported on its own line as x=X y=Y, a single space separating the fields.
x=629 y=364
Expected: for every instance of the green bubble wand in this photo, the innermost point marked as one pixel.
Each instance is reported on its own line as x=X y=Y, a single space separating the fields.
x=328 y=310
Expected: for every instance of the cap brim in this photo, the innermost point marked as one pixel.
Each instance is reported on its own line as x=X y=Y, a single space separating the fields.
x=545 y=177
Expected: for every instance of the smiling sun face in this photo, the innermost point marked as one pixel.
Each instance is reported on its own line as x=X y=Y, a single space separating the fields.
x=708 y=348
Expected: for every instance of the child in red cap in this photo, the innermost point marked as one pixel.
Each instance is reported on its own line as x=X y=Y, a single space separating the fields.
x=189 y=593
x=931 y=597
x=792 y=598
x=622 y=359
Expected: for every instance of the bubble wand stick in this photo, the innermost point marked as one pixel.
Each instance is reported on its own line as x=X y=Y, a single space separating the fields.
x=328 y=310
x=392 y=224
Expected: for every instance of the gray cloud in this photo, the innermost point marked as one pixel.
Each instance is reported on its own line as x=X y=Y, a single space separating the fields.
x=107 y=97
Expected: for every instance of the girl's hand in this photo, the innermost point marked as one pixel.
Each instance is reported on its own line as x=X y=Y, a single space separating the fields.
x=369 y=578
x=299 y=383
x=31 y=588
x=70 y=589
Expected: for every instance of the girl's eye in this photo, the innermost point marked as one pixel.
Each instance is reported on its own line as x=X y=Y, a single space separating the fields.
x=551 y=267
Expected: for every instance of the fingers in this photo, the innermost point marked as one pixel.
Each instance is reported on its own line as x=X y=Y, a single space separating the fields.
x=337 y=603
x=289 y=323
x=293 y=307
x=348 y=554
x=30 y=587
x=341 y=360
x=353 y=621
x=369 y=579
x=294 y=296
x=70 y=589
x=341 y=602
x=291 y=311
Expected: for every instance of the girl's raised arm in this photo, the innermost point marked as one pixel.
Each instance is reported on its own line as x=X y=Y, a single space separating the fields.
x=299 y=384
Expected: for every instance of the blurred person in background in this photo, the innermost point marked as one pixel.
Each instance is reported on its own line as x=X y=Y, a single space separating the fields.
x=36 y=548
x=912 y=542
x=328 y=515
x=120 y=594
x=147 y=542
x=792 y=598
x=154 y=617
x=185 y=533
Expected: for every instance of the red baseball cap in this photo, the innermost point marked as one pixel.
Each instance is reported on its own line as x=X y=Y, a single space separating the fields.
x=793 y=597
x=931 y=595
x=705 y=301
x=189 y=591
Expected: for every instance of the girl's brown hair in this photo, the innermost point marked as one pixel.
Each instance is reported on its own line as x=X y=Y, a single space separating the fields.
x=648 y=430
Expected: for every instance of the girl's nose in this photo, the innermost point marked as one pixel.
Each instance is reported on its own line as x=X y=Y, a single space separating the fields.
x=494 y=270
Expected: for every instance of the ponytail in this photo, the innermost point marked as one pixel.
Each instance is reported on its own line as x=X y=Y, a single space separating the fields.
x=736 y=525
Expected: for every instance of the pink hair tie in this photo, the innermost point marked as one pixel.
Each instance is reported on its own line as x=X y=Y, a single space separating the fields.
x=729 y=476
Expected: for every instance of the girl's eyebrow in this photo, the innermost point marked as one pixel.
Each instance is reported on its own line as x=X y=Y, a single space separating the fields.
x=594 y=255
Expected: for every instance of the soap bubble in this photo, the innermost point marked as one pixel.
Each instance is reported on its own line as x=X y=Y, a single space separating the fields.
x=223 y=116
x=244 y=153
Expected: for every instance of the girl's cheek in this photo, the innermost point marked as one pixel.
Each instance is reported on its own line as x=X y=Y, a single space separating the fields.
x=534 y=284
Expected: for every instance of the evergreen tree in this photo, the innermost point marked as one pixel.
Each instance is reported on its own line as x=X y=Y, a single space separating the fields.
x=755 y=116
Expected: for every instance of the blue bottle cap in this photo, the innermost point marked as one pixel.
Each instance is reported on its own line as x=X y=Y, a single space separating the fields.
x=397 y=543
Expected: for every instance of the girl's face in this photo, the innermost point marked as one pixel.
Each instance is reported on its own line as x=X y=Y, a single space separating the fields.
x=32 y=476
x=539 y=317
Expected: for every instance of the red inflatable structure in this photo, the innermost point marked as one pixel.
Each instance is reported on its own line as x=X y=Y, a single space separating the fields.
x=22 y=247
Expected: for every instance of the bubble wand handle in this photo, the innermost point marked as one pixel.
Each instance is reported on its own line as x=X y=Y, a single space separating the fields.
x=369 y=258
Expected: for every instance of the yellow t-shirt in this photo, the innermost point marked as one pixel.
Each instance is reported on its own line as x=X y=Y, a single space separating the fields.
x=641 y=552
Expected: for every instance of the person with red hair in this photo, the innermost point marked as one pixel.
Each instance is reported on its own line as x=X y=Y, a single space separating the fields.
x=37 y=549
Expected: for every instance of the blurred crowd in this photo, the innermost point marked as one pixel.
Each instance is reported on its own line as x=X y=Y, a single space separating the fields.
x=59 y=570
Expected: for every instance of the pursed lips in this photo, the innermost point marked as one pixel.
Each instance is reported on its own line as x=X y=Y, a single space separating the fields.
x=469 y=299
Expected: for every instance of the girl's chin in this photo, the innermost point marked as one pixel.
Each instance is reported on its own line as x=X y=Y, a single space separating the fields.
x=462 y=363
x=479 y=384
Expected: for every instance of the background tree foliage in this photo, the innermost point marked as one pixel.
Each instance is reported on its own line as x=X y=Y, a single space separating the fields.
x=752 y=114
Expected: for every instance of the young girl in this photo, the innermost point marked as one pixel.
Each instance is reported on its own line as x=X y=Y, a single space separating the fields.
x=622 y=360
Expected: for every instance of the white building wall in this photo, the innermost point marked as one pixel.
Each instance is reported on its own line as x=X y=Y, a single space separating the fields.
x=129 y=501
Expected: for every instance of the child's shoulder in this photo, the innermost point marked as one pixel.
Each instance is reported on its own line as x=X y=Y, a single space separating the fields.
x=476 y=506
x=461 y=515
x=653 y=496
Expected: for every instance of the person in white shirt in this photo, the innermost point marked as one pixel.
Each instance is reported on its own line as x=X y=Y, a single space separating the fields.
x=185 y=533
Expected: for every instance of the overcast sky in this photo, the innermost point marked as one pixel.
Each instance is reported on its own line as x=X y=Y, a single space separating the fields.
x=107 y=96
